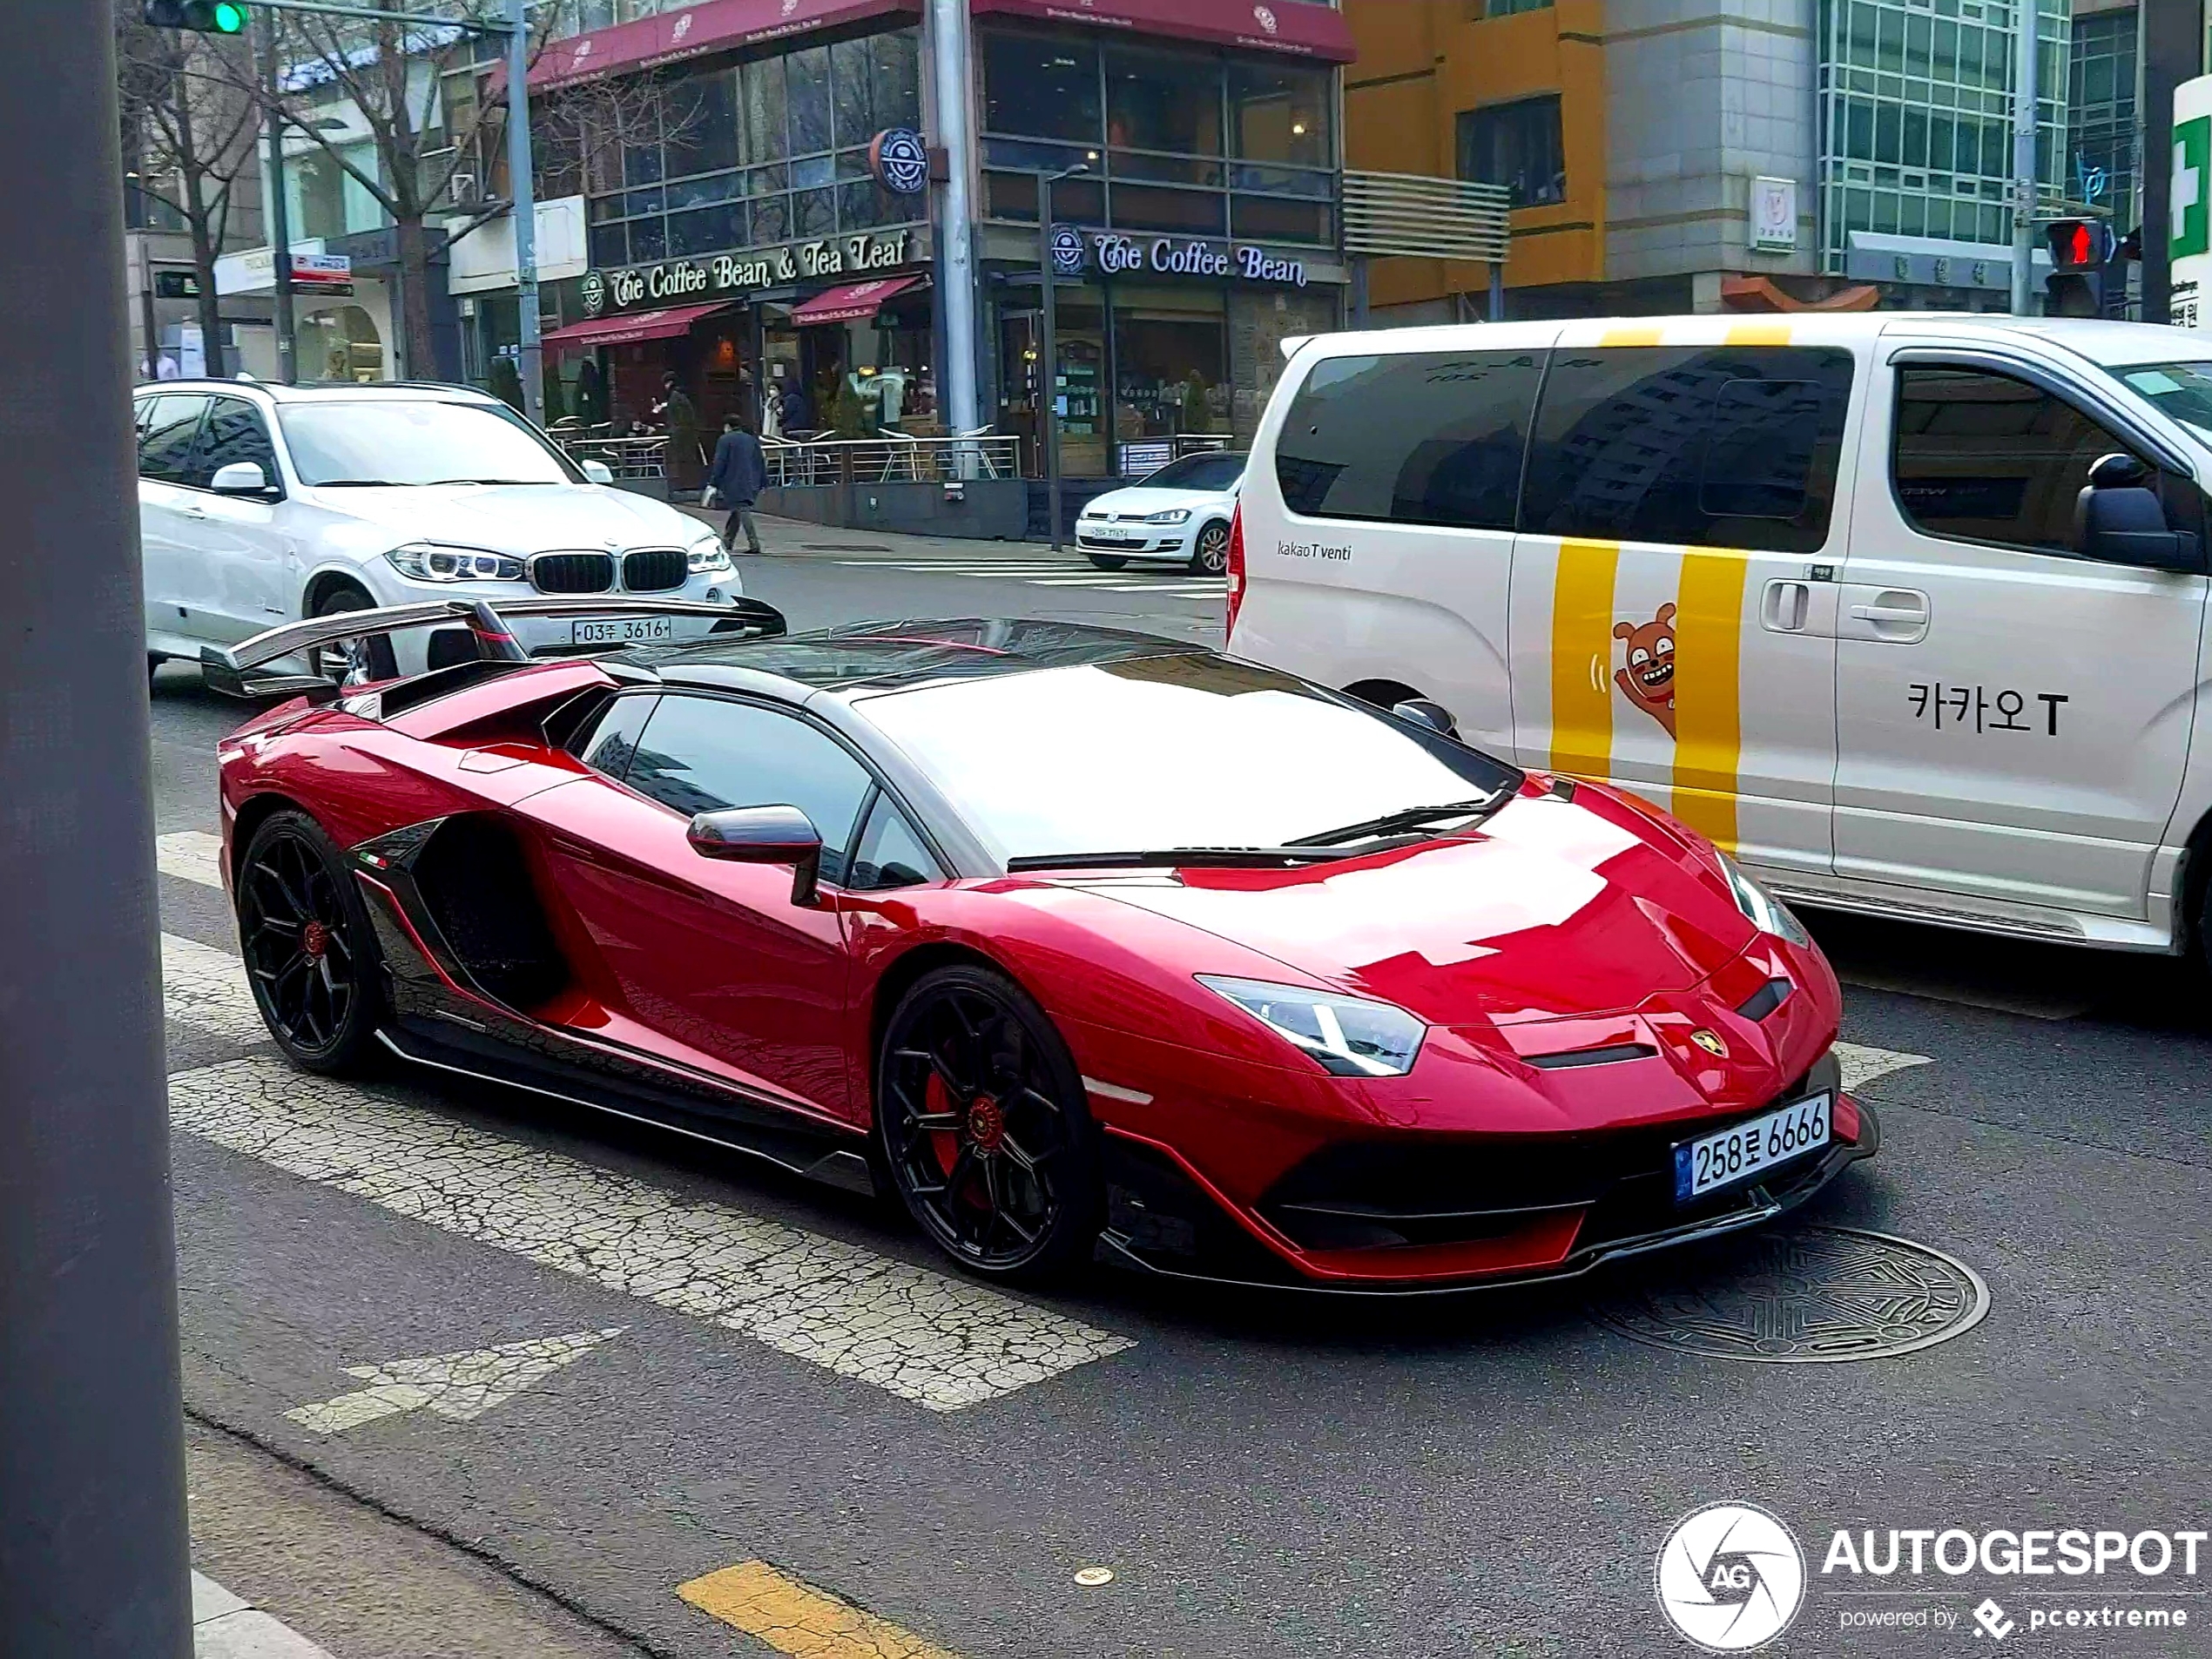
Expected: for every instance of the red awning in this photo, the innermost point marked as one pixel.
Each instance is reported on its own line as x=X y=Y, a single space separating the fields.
x=851 y=302
x=629 y=326
x=671 y=36
x=1295 y=28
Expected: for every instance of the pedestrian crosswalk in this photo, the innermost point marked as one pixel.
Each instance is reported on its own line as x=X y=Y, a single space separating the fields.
x=1167 y=581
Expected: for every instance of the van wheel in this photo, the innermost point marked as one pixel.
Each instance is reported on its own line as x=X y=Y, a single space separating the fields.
x=1384 y=694
x=1107 y=561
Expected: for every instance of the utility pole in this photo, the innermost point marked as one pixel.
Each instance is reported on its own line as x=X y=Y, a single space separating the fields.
x=522 y=190
x=280 y=214
x=92 y=1542
x=1048 y=360
x=2025 y=191
x=949 y=35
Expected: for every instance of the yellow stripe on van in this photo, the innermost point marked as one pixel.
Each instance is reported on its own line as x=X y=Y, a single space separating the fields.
x=1630 y=337
x=1708 y=722
x=1582 y=657
x=1759 y=333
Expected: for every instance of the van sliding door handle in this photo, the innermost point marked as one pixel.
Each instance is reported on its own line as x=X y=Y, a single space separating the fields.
x=1890 y=613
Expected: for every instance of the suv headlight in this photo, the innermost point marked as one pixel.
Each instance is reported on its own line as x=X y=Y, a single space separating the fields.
x=1172 y=516
x=1766 y=912
x=435 y=562
x=707 y=558
x=1349 y=1035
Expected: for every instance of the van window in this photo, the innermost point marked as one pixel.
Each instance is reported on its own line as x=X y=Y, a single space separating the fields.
x=1982 y=457
x=1417 y=438
x=1710 y=446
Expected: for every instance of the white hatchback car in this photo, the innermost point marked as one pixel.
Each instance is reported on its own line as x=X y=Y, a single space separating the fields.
x=261 y=504
x=1180 y=512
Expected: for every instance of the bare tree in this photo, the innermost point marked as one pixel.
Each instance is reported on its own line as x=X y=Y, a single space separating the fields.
x=431 y=99
x=191 y=128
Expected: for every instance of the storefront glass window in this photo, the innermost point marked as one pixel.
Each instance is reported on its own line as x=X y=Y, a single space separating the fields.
x=765 y=113
x=809 y=96
x=1041 y=86
x=704 y=128
x=1278 y=113
x=1171 y=357
x=1156 y=102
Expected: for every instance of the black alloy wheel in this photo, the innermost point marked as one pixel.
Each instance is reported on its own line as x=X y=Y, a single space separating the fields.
x=1108 y=561
x=1209 y=553
x=310 y=955
x=334 y=660
x=980 y=1116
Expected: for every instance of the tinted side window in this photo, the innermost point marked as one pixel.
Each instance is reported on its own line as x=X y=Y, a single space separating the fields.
x=1988 y=458
x=613 y=741
x=1712 y=446
x=890 y=855
x=1425 y=438
x=700 y=754
x=166 y=434
x=234 y=432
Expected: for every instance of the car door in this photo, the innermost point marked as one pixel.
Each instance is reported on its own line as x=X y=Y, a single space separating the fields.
x=249 y=572
x=1673 y=624
x=2012 y=718
x=712 y=957
x=175 y=586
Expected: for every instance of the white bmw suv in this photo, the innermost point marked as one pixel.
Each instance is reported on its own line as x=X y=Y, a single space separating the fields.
x=260 y=504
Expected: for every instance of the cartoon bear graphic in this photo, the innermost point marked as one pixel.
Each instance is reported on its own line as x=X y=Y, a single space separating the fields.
x=1648 y=680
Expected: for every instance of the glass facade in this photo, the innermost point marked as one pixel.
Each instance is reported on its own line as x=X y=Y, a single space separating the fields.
x=1176 y=142
x=2100 y=132
x=1916 y=115
x=1517 y=145
x=766 y=152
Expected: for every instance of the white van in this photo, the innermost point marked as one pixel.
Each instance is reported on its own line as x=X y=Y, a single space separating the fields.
x=1906 y=611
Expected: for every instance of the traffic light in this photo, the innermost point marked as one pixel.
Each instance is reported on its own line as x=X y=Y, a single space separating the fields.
x=201 y=16
x=2080 y=248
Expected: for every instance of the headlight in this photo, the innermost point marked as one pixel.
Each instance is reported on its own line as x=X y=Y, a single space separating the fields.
x=1766 y=913
x=1348 y=1035
x=431 y=562
x=1173 y=516
x=708 y=557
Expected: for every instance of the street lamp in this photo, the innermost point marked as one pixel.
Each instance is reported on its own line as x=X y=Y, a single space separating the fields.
x=1048 y=345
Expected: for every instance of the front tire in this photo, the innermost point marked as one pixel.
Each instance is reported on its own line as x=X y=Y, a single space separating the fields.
x=311 y=956
x=980 y=1119
x=333 y=661
x=1108 y=561
x=1209 y=553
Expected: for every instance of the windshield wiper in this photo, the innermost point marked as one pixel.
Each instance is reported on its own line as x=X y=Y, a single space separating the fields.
x=435 y=481
x=1227 y=857
x=1412 y=818
x=361 y=483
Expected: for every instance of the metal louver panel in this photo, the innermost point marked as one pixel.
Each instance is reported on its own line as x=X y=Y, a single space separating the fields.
x=1388 y=213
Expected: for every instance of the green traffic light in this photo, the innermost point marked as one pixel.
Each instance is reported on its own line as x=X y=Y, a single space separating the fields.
x=227 y=17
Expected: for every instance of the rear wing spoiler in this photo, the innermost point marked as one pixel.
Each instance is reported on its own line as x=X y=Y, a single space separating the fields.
x=230 y=670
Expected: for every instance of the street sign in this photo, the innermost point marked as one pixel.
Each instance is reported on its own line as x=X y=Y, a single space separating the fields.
x=176 y=285
x=318 y=270
x=2189 y=213
x=1774 y=215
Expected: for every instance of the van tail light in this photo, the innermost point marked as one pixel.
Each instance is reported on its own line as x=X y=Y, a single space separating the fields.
x=1236 y=570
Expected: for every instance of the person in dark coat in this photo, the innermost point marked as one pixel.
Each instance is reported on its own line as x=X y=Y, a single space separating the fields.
x=797 y=417
x=738 y=474
x=681 y=416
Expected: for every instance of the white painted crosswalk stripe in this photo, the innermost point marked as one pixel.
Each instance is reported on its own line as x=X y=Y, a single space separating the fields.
x=937 y=1341
x=1862 y=1064
x=194 y=855
x=205 y=990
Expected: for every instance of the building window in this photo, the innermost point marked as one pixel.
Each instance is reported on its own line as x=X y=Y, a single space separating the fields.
x=1916 y=119
x=1518 y=145
x=1507 y=8
x=2101 y=113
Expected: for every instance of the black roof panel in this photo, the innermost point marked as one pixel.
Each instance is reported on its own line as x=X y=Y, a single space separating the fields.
x=886 y=656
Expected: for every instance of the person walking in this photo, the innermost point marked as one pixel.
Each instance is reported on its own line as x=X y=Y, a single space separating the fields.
x=681 y=417
x=735 y=481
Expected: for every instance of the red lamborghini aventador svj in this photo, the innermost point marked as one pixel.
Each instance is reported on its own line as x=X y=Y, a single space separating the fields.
x=1083 y=943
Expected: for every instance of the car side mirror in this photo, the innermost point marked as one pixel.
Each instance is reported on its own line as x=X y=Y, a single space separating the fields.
x=2125 y=523
x=763 y=835
x=598 y=472
x=240 y=478
x=1434 y=716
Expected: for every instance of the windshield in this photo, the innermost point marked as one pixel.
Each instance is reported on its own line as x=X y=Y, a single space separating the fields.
x=1212 y=472
x=2183 y=390
x=428 y=442
x=1169 y=752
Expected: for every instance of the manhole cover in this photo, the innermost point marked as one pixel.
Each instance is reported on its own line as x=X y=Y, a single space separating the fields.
x=1799 y=1297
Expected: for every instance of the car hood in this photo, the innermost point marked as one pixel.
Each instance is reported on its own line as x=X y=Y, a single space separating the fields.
x=1140 y=500
x=517 y=518
x=1550 y=909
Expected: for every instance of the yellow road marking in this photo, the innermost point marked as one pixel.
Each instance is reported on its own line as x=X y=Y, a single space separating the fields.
x=799 y=1620
x=1709 y=721
x=1581 y=656
x=1759 y=333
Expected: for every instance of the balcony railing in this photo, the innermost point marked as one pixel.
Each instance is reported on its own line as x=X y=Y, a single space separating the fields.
x=1399 y=213
x=892 y=460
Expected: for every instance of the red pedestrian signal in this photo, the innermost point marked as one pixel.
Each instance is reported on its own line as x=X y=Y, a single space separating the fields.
x=2079 y=244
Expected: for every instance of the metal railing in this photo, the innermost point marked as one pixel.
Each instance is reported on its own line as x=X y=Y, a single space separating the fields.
x=627 y=458
x=891 y=460
x=1388 y=213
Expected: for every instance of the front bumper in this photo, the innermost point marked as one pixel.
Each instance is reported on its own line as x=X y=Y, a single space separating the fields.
x=1153 y=542
x=1162 y=1221
x=420 y=649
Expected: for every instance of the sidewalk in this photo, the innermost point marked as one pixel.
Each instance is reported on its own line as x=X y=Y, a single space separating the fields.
x=794 y=538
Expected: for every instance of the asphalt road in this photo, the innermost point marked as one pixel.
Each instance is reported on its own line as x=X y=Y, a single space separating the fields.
x=1485 y=1476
